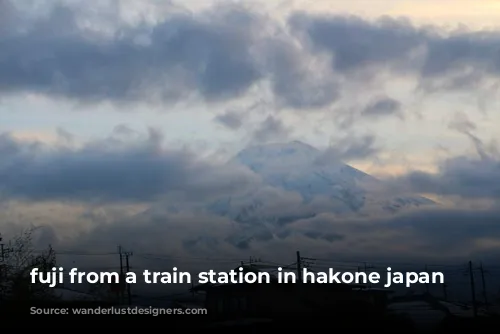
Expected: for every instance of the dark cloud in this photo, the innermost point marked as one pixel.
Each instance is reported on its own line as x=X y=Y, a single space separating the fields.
x=108 y=170
x=195 y=238
x=297 y=83
x=460 y=176
x=383 y=107
x=356 y=43
x=218 y=54
x=424 y=236
x=130 y=167
x=351 y=147
x=221 y=53
x=457 y=60
x=465 y=176
x=184 y=53
x=464 y=227
x=193 y=242
x=231 y=120
x=461 y=49
x=271 y=129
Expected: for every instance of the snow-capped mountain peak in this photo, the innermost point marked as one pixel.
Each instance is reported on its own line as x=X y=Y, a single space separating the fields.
x=299 y=168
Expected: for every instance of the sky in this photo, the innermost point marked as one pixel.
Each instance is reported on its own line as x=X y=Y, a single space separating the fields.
x=117 y=119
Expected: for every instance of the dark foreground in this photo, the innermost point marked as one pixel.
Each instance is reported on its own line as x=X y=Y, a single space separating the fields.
x=16 y=315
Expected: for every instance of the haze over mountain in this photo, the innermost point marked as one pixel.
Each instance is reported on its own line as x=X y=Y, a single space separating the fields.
x=299 y=182
x=319 y=178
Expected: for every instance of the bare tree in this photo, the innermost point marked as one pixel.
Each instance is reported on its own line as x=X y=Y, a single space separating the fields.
x=19 y=258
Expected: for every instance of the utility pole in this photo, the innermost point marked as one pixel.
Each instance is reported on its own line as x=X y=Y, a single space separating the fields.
x=251 y=261
x=121 y=259
x=473 y=289
x=366 y=267
x=121 y=283
x=426 y=285
x=129 y=294
x=299 y=269
x=483 y=281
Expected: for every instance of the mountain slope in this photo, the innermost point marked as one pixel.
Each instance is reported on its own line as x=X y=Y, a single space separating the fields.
x=301 y=169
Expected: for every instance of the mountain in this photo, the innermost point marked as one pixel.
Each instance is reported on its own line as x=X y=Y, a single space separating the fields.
x=321 y=182
x=295 y=181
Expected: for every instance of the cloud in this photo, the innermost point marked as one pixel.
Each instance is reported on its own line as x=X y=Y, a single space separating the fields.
x=228 y=51
x=130 y=167
x=230 y=119
x=462 y=124
x=218 y=54
x=435 y=235
x=356 y=43
x=193 y=241
x=383 y=107
x=137 y=191
x=441 y=60
x=299 y=80
x=183 y=53
x=112 y=169
x=271 y=129
x=460 y=176
x=163 y=229
x=350 y=147
x=466 y=176
x=134 y=191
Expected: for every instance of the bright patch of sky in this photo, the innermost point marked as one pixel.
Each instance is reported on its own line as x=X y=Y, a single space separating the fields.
x=425 y=129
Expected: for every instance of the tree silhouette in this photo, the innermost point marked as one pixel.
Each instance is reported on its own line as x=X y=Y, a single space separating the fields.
x=16 y=261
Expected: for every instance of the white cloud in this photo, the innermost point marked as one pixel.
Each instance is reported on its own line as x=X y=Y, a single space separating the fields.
x=250 y=69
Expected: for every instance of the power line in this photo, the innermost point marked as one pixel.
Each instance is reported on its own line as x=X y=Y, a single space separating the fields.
x=453 y=270
x=318 y=262
x=473 y=289
x=77 y=253
x=144 y=255
x=165 y=258
x=395 y=263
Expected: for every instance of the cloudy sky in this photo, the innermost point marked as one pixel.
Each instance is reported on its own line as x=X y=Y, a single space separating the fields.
x=115 y=116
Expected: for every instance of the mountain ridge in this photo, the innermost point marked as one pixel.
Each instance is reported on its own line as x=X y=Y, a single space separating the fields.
x=301 y=168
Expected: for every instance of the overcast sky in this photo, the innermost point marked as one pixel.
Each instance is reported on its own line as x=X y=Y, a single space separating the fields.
x=110 y=111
